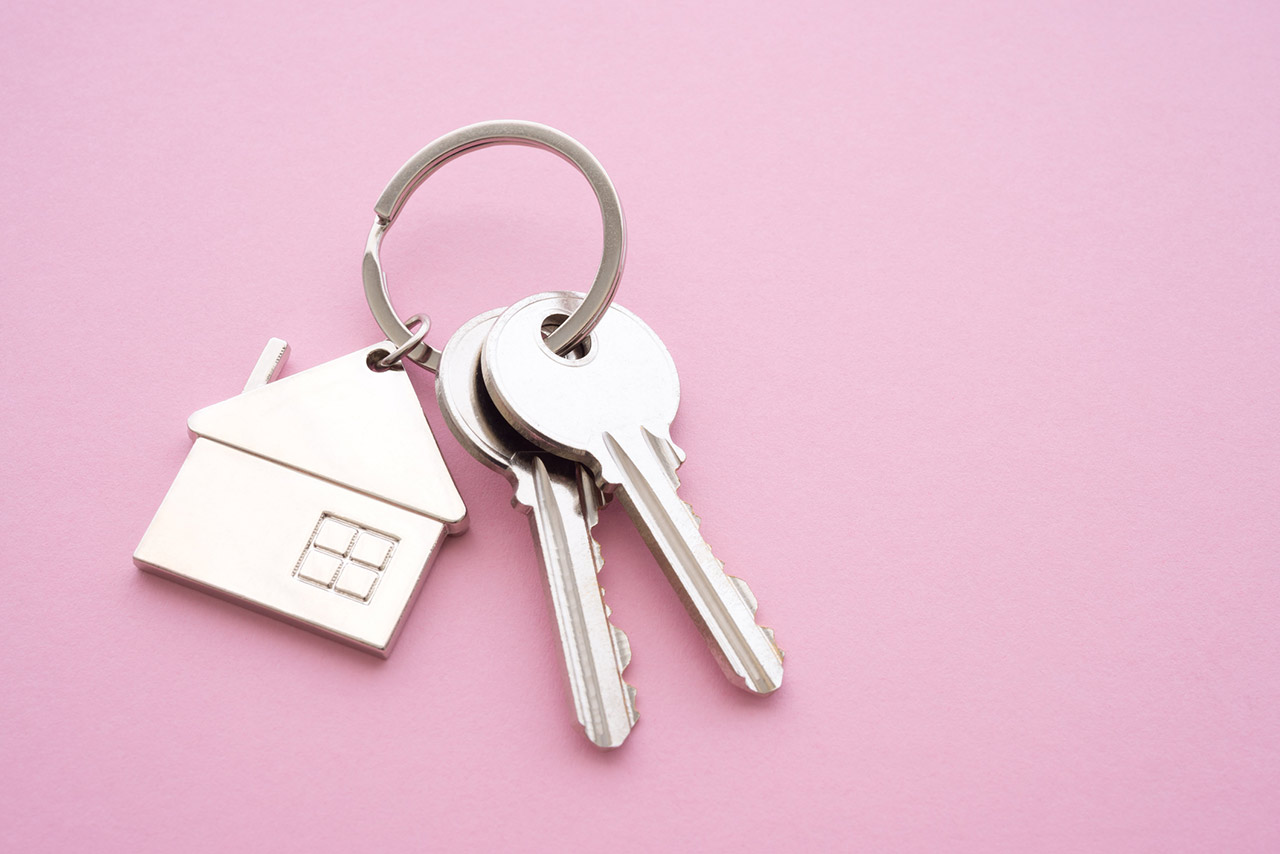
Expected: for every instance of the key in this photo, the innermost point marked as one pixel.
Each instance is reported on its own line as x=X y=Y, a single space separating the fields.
x=562 y=501
x=610 y=407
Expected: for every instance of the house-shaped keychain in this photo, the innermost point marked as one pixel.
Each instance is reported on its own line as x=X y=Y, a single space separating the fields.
x=320 y=498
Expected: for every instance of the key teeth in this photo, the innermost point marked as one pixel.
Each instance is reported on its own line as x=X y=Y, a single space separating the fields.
x=744 y=591
x=671 y=458
x=621 y=647
x=697 y=520
x=621 y=643
x=622 y=656
x=632 y=714
x=592 y=500
x=768 y=632
x=750 y=598
x=666 y=451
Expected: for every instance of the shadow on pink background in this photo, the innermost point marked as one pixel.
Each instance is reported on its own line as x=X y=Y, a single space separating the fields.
x=977 y=319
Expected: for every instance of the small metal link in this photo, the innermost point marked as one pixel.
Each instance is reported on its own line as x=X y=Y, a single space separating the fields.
x=423 y=323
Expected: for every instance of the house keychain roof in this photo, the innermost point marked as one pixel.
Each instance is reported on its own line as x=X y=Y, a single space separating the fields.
x=332 y=422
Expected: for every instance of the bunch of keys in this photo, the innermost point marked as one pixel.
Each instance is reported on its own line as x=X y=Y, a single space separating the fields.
x=568 y=395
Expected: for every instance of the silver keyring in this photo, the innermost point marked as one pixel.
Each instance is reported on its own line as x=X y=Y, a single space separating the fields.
x=505 y=132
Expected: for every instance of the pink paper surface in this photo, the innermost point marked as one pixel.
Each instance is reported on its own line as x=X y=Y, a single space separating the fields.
x=976 y=313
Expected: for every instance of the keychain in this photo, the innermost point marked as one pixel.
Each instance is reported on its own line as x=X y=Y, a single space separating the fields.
x=285 y=504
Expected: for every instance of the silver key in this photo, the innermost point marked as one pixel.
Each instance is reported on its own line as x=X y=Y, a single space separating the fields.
x=611 y=409
x=561 y=500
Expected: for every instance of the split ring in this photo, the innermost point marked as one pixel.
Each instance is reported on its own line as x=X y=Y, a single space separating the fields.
x=506 y=132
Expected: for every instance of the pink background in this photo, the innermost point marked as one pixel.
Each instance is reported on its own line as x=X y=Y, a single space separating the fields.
x=976 y=312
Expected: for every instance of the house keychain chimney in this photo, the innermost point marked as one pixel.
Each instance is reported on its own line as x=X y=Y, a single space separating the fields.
x=322 y=498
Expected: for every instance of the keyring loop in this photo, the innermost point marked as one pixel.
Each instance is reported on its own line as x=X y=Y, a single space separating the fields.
x=470 y=138
x=423 y=323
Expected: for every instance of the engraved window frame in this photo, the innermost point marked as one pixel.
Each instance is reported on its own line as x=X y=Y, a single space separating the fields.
x=346 y=557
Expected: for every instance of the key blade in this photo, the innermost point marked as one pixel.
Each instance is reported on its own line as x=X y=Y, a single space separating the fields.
x=564 y=502
x=642 y=467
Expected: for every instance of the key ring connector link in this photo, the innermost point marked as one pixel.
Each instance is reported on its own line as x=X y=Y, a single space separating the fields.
x=470 y=138
x=393 y=358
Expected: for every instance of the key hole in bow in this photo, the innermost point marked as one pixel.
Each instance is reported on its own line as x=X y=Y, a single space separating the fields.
x=578 y=351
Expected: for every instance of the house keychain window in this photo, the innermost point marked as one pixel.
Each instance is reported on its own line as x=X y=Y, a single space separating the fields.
x=345 y=557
